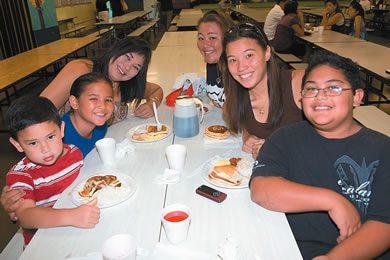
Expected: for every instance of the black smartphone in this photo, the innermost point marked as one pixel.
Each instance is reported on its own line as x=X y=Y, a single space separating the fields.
x=211 y=193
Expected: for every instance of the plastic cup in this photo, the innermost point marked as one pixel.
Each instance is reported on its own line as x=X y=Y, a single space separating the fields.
x=120 y=247
x=176 y=220
x=176 y=154
x=320 y=29
x=106 y=148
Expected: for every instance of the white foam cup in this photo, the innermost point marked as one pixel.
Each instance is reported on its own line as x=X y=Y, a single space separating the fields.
x=176 y=154
x=120 y=247
x=320 y=29
x=106 y=148
x=176 y=220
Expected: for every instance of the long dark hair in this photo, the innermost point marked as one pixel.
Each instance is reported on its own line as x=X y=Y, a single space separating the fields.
x=133 y=89
x=355 y=5
x=236 y=95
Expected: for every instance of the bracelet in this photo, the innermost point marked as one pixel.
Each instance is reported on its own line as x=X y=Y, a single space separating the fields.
x=155 y=99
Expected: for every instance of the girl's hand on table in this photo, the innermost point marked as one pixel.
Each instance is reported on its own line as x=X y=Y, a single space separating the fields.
x=321 y=257
x=145 y=110
x=87 y=215
x=345 y=216
x=11 y=199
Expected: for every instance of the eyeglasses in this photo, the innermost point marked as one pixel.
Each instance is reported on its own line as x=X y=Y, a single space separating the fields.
x=328 y=91
x=247 y=27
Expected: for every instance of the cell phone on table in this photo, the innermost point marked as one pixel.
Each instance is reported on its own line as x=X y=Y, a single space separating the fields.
x=210 y=193
x=387 y=71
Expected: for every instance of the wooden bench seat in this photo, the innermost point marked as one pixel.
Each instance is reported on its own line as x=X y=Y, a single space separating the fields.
x=299 y=66
x=76 y=30
x=99 y=32
x=143 y=28
x=175 y=19
x=288 y=58
x=374 y=118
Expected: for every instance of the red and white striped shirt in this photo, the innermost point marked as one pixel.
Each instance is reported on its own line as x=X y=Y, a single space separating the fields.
x=44 y=184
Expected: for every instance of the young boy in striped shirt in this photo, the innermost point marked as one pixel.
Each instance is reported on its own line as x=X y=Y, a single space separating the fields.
x=48 y=168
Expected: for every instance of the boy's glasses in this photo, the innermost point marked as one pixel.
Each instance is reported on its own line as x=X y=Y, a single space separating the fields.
x=247 y=27
x=329 y=91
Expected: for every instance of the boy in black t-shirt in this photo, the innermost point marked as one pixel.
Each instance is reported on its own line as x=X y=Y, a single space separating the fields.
x=331 y=176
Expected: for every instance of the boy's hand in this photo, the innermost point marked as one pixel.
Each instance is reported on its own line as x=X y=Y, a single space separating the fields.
x=346 y=217
x=87 y=215
x=11 y=199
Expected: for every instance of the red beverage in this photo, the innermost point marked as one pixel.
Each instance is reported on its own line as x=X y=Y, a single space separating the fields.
x=176 y=216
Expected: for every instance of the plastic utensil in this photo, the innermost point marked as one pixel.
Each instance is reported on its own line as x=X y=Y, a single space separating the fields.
x=159 y=127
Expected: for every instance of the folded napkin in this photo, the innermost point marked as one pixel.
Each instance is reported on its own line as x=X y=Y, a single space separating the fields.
x=169 y=176
x=170 y=252
x=123 y=148
x=228 y=249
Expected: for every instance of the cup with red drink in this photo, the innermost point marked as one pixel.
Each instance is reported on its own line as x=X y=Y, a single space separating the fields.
x=176 y=220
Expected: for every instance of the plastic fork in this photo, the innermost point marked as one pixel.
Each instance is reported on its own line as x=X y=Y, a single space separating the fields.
x=159 y=127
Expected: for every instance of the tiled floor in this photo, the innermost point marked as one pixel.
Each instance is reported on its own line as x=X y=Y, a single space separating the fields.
x=9 y=156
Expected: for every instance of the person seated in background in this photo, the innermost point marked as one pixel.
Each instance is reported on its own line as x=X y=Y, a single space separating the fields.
x=333 y=17
x=260 y=95
x=47 y=170
x=358 y=26
x=273 y=18
x=329 y=174
x=290 y=25
x=102 y=13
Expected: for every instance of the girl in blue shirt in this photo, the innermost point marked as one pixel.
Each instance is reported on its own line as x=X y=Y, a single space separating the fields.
x=91 y=100
x=358 y=26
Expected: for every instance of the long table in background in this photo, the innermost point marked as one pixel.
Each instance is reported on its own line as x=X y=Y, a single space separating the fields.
x=124 y=22
x=259 y=233
x=255 y=14
x=188 y=19
x=21 y=66
x=372 y=58
x=180 y=38
x=329 y=36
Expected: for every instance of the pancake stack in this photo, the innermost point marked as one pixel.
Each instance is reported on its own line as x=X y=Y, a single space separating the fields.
x=218 y=132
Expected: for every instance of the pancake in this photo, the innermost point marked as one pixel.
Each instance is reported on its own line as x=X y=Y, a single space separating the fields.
x=218 y=132
x=152 y=130
x=226 y=175
x=96 y=183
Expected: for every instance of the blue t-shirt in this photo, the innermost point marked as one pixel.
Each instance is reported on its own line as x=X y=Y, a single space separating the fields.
x=71 y=135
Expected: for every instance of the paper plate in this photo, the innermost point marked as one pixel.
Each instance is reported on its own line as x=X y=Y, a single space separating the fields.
x=119 y=195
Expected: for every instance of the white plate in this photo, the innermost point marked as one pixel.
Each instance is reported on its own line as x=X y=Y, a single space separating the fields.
x=208 y=168
x=142 y=129
x=128 y=189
